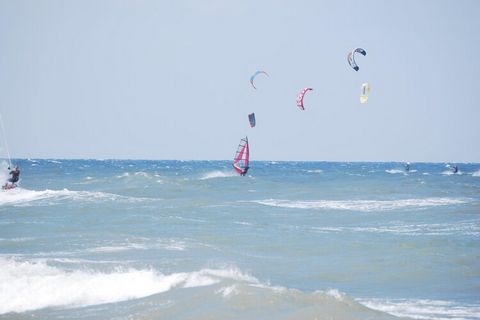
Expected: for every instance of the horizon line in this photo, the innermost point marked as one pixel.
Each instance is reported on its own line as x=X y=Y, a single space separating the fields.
x=259 y=160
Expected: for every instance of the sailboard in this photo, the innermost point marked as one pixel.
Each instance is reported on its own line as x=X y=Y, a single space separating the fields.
x=242 y=156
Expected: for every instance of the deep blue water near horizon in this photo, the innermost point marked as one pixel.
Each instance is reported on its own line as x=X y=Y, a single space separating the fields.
x=131 y=239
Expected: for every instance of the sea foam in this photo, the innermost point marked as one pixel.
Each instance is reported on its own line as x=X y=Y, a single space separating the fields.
x=217 y=174
x=424 y=308
x=362 y=205
x=26 y=285
x=20 y=196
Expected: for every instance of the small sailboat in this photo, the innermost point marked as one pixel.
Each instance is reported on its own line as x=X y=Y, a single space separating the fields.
x=241 y=159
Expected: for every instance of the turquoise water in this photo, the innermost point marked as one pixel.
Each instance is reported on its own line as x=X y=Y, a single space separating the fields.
x=96 y=239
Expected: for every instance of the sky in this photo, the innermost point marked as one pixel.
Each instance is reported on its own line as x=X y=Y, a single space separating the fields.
x=115 y=79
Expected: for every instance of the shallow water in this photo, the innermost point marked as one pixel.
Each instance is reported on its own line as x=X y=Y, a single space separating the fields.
x=109 y=239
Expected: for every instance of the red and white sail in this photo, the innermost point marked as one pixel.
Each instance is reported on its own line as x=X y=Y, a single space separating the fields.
x=240 y=162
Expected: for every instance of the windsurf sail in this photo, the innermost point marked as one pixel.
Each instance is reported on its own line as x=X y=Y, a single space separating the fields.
x=241 y=159
x=251 y=119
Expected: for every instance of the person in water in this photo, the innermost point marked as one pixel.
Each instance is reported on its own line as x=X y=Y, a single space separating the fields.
x=455 y=169
x=15 y=175
x=244 y=172
x=407 y=166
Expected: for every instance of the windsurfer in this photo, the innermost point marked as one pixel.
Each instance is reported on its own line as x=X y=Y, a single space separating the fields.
x=244 y=172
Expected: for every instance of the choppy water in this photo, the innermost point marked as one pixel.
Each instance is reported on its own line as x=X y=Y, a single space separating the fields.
x=108 y=239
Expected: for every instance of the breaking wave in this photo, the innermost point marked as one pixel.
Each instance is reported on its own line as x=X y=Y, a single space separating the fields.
x=363 y=205
x=424 y=308
x=20 y=196
x=436 y=229
x=28 y=286
x=395 y=171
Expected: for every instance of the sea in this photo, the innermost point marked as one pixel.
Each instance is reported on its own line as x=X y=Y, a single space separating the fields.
x=131 y=239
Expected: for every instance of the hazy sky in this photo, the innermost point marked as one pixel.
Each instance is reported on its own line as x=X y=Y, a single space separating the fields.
x=170 y=79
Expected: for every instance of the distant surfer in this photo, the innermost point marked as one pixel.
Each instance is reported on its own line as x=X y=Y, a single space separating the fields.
x=14 y=179
x=407 y=166
x=455 y=169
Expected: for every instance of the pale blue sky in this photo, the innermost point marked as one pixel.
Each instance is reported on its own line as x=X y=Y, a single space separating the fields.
x=170 y=79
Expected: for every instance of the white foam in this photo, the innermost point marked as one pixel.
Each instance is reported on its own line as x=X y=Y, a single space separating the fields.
x=228 y=291
x=395 y=171
x=451 y=173
x=476 y=173
x=244 y=223
x=424 y=309
x=123 y=175
x=464 y=228
x=218 y=174
x=363 y=205
x=340 y=296
x=20 y=196
x=315 y=171
x=116 y=248
x=23 y=239
x=28 y=285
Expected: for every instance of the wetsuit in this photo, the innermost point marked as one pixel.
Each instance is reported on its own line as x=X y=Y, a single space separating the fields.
x=15 y=176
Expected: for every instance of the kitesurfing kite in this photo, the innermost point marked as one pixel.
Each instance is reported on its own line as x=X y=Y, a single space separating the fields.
x=251 y=119
x=252 y=78
x=365 y=92
x=351 y=57
x=300 y=96
x=10 y=183
x=241 y=159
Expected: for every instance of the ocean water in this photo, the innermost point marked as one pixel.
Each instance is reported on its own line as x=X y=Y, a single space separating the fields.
x=104 y=239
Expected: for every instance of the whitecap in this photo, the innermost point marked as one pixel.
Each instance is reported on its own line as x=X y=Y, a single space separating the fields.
x=362 y=205
x=227 y=291
x=218 y=174
x=435 y=229
x=395 y=171
x=20 y=196
x=40 y=285
x=423 y=308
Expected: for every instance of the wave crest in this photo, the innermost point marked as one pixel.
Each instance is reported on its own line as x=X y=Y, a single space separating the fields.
x=362 y=205
x=28 y=286
x=20 y=196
